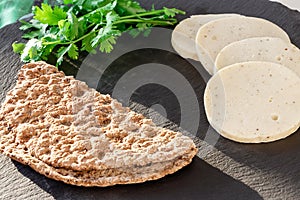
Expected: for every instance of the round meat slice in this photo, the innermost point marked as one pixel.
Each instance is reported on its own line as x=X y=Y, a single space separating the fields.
x=215 y=35
x=254 y=102
x=260 y=49
x=184 y=34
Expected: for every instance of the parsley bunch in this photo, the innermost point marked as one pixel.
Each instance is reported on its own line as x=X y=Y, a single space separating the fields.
x=85 y=25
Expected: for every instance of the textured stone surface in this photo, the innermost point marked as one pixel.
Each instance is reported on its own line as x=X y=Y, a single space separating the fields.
x=226 y=170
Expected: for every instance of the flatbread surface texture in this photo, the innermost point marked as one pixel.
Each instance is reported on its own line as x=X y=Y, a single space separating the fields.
x=69 y=132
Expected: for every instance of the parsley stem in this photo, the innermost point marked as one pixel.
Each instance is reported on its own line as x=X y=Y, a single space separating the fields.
x=156 y=12
x=71 y=42
x=75 y=41
x=154 y=22
x=149 y=13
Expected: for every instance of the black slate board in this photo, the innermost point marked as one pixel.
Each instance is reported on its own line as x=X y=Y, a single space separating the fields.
x=226 y=170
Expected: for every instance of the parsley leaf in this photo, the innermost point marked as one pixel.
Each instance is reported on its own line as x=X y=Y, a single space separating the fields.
x=68 y=1
x=85 y=25
x=126 y=7
x=47 y=15
x=69 y=28
x=170 y=12
x=32 y=50
x=61 y=52
x=18 y=47
x=87 y=43
x=32 y=24
x=91 y=5
x=73 y=52
x=105 y=38
x=106 y=45
x=47 y=50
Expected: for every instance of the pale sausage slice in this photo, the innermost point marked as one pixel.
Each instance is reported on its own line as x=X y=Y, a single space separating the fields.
x=254 y=102
x=184 y=34
x=215 y=35
x=260 y=49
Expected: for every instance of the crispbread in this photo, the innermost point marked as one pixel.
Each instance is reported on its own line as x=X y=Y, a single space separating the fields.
x=215 y=35
x=260 y=49
x=184 y=34
x=254 y=102
x=72 y=133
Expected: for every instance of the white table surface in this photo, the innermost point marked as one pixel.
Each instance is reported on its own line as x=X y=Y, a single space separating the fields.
x=293 y=4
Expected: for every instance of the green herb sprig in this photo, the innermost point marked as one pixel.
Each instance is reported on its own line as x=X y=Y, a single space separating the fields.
x=85 y=25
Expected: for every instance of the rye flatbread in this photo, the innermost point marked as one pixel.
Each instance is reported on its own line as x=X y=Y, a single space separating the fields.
x=254 y=102
x=215 y=35
x=260 y=49
x=184 y=34
x=69 y=132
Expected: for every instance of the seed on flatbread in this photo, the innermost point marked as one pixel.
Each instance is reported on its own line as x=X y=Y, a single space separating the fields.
x=69 y=132
x=254 y=102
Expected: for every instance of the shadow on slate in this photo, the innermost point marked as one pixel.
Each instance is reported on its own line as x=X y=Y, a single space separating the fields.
x=152 y=94
x=196 y=181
